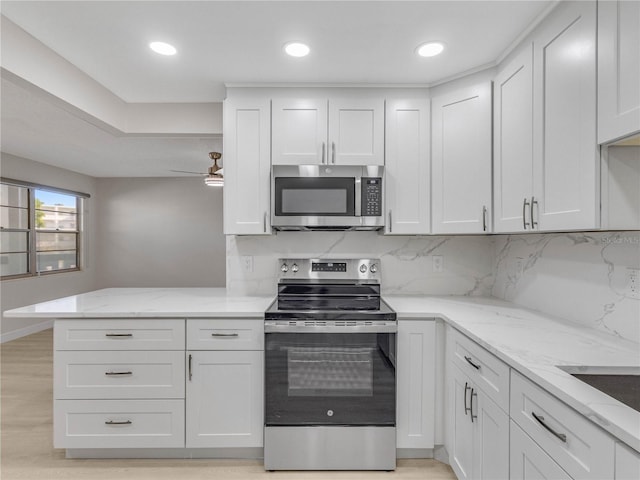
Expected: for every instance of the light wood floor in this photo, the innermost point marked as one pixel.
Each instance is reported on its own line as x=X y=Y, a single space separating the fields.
x=27 y=447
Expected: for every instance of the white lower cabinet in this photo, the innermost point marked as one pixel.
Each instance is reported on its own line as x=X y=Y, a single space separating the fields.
x=479 y=443
x=225 y=383
x=118 y=423
x=224 y=406
x=529 y=461
x=416 y=371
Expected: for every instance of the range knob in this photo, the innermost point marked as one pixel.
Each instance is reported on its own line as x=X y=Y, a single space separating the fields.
x=294 y=268
x=373 y=268
x=363 y=268
x=284 y=268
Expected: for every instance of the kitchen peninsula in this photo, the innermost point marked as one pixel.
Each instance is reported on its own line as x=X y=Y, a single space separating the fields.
x=530 y=344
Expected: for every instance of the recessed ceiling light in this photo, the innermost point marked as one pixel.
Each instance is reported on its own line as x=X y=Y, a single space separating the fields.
x=430 y=49
x=163 y=48
x=296 y=49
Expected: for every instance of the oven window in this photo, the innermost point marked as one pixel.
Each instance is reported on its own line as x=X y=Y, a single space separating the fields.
x=304 y=196
x=330 y=379
x=343 y=372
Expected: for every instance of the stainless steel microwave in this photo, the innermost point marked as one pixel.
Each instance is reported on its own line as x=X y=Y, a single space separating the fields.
x=323 y=197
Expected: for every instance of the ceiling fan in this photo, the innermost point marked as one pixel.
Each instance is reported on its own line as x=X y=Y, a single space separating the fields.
x=214 y=176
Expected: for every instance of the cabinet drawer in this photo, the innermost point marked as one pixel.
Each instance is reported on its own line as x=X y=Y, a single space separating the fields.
x=487 y=372
x=118 y=423
x=111 y=375
x=529 y=462
x=585 y=451
x=119 y=334
x=214 y=334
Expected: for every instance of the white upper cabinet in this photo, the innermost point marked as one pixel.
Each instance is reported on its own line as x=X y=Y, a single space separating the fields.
x=513 y=143
x=246 y=167
x=461 y=162
x=566 y=154
x=618 y=69
x=299 y=134
x=407 y=172
x=338 y=131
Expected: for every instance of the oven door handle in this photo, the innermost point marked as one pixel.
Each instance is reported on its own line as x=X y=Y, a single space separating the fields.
x=274 y=327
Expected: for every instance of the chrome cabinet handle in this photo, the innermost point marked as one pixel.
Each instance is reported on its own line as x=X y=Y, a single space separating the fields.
x=190 y=372
x=224 y=334
x=470 y=362
x=541 y=421
x=466 y=387
x=525 y=224
x=264 y=222
x=484 y=218
x=390 y=222
x=323 y=152
x=118 y=335
x=533 y=222
x=333 y=152
x=473 y=394
x=111 y=422
x=118 y=373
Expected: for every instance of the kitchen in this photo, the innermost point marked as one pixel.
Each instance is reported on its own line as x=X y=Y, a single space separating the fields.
x=582 y=276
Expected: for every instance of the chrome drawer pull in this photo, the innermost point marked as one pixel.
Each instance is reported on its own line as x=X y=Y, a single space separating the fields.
x=470 y=362
x=118 y=335
x=466 y=387
x=118 y=373
x=111 y=422
x=540 y=420
x=224 y=335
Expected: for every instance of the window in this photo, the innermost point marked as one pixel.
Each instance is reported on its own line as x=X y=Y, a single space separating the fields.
x=39 y=229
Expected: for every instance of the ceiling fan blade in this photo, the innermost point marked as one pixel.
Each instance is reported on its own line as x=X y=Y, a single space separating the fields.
x=185 y=171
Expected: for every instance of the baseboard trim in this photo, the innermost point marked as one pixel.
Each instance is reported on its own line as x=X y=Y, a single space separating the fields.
x=414 y=452
x=23 y=332
x=181 y=453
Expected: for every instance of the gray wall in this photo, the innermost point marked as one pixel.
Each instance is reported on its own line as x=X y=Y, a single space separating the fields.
x=25 y=291
x=159 y=232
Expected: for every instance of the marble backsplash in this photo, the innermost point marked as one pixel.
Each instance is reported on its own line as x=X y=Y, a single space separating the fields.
x=580 y=277
x=406 y=261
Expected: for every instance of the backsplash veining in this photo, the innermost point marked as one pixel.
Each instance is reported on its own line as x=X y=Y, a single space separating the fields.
x=407 y=261
x=581 y=277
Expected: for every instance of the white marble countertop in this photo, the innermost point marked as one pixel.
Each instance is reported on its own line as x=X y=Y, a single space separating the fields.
x=531 y=343
x=534 y=344
x=150 y=303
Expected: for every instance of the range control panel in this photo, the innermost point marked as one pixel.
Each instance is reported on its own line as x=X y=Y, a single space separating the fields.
x=321 y=268
x=371 y=196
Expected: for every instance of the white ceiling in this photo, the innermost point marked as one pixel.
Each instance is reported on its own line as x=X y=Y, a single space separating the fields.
x=222 y=42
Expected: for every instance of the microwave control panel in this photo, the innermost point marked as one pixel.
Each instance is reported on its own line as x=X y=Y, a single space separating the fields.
x=371 y=196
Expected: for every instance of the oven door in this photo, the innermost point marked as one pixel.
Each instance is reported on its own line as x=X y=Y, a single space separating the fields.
x=330 y=378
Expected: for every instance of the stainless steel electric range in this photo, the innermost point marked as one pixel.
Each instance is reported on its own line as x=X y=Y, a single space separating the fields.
x=330 y=368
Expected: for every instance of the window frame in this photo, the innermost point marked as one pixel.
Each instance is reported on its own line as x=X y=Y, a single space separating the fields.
x=32 y=230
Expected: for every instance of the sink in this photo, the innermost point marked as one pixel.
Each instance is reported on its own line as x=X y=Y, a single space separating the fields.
x=621 y=383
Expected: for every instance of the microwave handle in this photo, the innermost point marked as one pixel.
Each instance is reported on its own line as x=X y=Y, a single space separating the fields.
x=358 y=192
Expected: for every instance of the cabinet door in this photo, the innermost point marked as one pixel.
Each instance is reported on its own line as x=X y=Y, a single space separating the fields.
x=299 y=132
x=513 y=144
x=627 y=463
x=529 y=462
x=461 y=162
x=491 y=438
x=618 y=69
x=356 y=131
x=566 y=180
x=407 y=167
x=416 y=384
x=461 y=441
x=224 y=405
x=246 y=167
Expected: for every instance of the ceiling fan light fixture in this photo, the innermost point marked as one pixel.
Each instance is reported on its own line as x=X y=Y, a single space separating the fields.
x=214 y=181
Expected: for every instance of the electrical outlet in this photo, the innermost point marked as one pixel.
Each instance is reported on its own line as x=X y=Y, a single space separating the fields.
x=247 y=263
x=633 y=282
x=438 y=263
